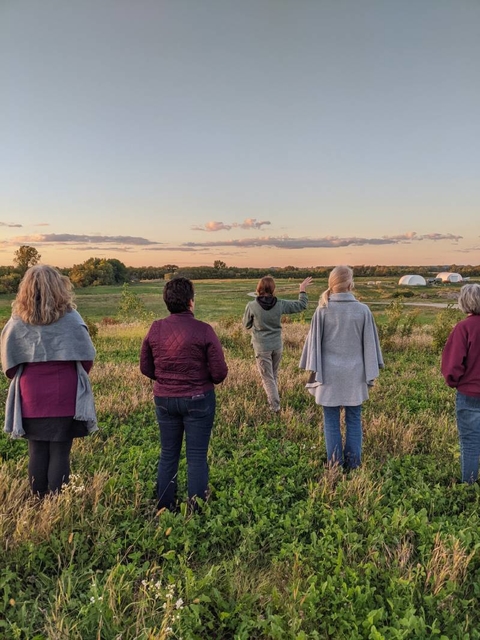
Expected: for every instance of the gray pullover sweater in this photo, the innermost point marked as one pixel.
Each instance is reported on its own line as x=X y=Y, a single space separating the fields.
x=266 y=323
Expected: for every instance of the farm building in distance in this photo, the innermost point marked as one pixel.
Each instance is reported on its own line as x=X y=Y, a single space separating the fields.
x=448 y=276
x=412 y=281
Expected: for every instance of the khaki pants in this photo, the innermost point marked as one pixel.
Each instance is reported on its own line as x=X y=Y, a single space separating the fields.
x=268 y=363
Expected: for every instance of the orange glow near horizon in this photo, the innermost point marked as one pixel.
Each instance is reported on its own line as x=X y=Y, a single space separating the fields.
x=400 y=254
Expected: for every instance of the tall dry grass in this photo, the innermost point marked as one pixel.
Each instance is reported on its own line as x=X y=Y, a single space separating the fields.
x=111 y=471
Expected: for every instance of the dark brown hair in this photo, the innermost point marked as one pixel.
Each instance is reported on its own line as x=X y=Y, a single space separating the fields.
x=177 y=294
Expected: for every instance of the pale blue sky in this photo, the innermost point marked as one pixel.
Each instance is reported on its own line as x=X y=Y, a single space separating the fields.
x=260 y=132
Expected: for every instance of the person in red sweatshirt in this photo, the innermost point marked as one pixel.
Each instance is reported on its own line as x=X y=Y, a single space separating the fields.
x=461 y=370
x=185 y=358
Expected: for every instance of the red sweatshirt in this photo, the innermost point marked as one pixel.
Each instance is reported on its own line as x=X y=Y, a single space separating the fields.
x=183 y=355
x=461 y=357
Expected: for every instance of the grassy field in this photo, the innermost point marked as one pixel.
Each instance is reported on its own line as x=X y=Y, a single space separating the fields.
x=285 y=548
x=217 y=299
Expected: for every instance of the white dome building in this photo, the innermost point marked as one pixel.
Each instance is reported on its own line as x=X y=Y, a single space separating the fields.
x=448 y=276
x=412 y=281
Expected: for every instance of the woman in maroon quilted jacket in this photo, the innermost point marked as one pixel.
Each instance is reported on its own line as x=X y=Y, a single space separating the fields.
x=461 y=370
x=185 y=358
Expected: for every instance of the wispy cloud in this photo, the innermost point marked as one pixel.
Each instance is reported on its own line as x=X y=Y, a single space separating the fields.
x=327 y=242
x=102 y=243
x=468 y=249
x=69 y=239
x=7 y=224
x=213 y=225
x=42 y=224
x=440 y=236
x=186 y=249
x=101 y=249
x=248 y=223
x=253 y=223
x=413 y=235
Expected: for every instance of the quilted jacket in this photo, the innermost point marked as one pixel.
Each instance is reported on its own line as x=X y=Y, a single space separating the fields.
x=183 y=355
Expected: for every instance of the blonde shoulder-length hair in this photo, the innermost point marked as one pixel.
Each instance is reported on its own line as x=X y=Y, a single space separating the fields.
x=44 y=296
x=340 y=280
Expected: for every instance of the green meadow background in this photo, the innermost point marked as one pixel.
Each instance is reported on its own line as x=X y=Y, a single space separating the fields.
x=286 y=548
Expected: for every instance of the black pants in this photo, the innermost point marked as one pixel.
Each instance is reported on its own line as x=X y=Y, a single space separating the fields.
x=48 y=465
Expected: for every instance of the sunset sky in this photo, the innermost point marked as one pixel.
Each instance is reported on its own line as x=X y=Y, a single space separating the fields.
x=259 y=132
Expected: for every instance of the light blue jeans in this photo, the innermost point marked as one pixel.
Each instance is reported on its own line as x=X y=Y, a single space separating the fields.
x=468 y=424
x=349 y=456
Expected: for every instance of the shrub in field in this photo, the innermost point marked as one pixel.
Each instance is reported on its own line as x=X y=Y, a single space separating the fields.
x=297 y=318
x=228 y=322
x=444 y=323
x=131 y=307
x=234 y=336
x=398 y=324
x=92 y=328
x=108 y=321
x=9 y=282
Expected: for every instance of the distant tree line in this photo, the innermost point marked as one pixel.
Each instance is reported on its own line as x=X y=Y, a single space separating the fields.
x=110 y=271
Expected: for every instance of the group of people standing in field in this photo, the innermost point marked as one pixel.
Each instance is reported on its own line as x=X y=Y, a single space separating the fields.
x=47 y=353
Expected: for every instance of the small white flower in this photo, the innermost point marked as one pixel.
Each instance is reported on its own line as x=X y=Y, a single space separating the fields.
x=92 y=599
x=179 y=603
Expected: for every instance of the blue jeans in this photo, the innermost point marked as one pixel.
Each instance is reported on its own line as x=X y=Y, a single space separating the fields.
x=468 y=424
x=351 y=455
x=194 y=416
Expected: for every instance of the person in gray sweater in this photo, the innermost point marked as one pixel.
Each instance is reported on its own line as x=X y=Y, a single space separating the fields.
x=343 y=353
x=263 y=316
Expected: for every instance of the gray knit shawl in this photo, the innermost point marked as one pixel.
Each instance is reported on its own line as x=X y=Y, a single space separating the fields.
x=65 y=340
x=343 y=351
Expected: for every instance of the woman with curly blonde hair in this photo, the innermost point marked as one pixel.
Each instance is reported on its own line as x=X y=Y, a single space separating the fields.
x=47 y=352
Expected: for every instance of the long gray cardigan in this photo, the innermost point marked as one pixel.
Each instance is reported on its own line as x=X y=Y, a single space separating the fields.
x=343 y=351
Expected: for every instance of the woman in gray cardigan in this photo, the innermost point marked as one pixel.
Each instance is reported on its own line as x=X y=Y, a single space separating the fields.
x=263 y=316
x=343 y=352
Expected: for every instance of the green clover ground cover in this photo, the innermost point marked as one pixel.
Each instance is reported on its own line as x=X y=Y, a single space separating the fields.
x=284 y=549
